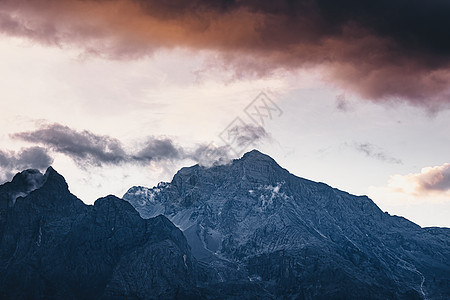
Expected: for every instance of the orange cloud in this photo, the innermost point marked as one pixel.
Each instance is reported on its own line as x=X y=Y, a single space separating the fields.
x=431 y=185
x=383 y=50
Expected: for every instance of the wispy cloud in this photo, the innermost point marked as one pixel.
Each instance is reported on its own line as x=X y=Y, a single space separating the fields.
x=376 y=152
x=249 y=133
x=342 y=104
x=210 y=155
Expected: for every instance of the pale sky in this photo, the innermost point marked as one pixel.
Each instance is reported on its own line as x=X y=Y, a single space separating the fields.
x=395 y=151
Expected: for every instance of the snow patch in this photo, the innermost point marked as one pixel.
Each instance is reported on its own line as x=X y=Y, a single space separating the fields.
x=184 y=259
x=255 y=277
x=269 y=193
x=147 y=195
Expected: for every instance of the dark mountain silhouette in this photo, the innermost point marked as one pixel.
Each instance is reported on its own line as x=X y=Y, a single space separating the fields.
x=53 y=246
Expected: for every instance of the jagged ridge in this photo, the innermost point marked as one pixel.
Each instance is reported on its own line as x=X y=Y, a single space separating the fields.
x=298 y=238
x=52 y=245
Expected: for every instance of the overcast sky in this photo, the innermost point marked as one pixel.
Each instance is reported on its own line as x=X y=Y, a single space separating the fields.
x=125 y=92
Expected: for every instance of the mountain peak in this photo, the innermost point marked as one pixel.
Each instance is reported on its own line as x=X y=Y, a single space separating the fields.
x=256 y=214
x=30 y=179
x=114 y=205
x=53 y=180
x=257 y=157
x=260 y=167
x=21 y=185
x=255 y=154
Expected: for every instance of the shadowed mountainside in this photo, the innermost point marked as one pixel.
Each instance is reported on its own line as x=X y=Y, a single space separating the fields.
x=53 y=246
x=245 y=230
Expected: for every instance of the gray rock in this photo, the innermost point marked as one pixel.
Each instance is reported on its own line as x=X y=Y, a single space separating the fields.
x=249 y=230
x=253 y=223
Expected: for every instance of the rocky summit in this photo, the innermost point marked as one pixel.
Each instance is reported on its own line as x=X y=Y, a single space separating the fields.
x=245 y=230
x=258 y=231
x=53 y=246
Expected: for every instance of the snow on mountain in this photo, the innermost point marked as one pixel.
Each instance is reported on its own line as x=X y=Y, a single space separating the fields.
x=256 y=217
x=249 y=230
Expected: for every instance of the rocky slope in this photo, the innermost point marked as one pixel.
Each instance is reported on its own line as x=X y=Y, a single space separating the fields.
x=259 y=231
x=249 y=230
x=53 y=246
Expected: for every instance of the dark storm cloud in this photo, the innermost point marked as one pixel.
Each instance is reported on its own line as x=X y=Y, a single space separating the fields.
x=26 y=158
x=376 y=152
x=159 y=149
x=81 y=146
x=382 y=50
x=87 y=148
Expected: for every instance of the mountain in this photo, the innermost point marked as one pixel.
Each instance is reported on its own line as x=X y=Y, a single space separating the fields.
x=53 y=246
x=258 y=231
x=246 y=230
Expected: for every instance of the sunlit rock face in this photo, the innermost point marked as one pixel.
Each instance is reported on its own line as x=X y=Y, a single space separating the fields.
x=252 y=223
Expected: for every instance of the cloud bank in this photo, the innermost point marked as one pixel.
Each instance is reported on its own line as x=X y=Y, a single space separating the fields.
x=90 y=149
x=432 y=179
x=431 y=185
x=81 y=146
x=381 y=50
x=26 y=158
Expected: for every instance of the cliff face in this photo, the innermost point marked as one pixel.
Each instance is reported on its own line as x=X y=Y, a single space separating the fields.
x=54 y=246
x=255 y=223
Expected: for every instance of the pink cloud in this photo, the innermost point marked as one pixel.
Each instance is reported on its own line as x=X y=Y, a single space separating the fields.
x=404 y=57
